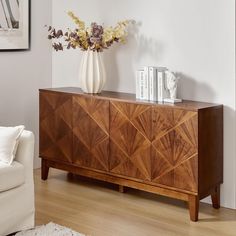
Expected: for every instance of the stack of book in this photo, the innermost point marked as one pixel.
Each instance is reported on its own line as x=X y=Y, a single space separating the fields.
x=151 y=84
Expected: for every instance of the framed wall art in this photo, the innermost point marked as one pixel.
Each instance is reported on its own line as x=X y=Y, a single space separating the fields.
x=14 y=25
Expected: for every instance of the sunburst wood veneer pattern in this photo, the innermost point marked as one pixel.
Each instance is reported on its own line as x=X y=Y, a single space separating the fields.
x=56 y=126
x=176 y=151
x=175 y=148
x=91 y=132
x=130 y=145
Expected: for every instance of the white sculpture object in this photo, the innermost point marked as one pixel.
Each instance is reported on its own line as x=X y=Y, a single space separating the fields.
x=171 y=85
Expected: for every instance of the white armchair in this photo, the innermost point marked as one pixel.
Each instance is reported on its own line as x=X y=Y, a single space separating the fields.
x=17 y=189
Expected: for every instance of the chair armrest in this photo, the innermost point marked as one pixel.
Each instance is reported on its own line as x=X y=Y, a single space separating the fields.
x=25 y=153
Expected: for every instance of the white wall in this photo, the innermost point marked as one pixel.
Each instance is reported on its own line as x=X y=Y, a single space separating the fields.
x=193 y=37
x=23 y=73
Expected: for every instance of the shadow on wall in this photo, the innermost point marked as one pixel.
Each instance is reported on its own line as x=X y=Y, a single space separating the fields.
x=111 y=68
x=190 y=88
x=146 y=46
x=125 y=60
x=149 y=47
x=115 y=54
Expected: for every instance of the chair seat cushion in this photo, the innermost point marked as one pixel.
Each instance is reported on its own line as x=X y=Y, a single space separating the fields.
x=11 y=176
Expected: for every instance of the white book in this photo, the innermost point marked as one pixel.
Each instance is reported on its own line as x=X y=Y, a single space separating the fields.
x=146 y=83
x=152 y=83
x=138 y=90
x=141 y=84
x=160 y=86
x=162 y=92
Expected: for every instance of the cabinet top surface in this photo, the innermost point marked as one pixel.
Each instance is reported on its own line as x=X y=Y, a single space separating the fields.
x=128 y=97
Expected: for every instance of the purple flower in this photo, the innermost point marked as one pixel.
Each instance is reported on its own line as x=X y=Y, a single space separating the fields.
x=97 y=30
x=96 y=33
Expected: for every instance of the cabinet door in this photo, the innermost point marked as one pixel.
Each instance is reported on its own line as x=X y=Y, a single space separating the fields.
x=90 y=132
x=130 y=140
x=175 y=148
x=55 y=126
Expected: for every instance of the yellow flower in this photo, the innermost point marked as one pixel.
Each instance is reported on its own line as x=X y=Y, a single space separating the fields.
x=77 y=21
x=81 y=33
x=119 y=32
x=108 y=35
x=89 y=30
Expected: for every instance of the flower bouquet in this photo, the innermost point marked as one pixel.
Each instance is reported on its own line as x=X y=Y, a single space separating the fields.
x=95 y=38
x=92 y=40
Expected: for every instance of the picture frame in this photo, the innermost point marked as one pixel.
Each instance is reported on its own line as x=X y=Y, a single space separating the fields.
x=14 y=25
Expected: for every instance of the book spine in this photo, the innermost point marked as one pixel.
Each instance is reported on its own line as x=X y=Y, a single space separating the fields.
x=160 y=86
x=141 y=84
x=152 y=84
x=155 y=84
x=165 y=90
x=138 y=85
x=146 y=83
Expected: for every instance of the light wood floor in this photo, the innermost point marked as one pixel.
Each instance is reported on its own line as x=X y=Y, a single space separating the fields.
x=98 y=209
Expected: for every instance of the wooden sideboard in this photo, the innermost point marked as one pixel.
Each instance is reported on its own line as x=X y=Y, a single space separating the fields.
x=172 y=150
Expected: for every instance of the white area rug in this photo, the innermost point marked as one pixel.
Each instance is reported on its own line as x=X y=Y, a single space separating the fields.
x=49 y=229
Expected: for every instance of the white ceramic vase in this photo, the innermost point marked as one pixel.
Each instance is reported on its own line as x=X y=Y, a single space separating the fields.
x=92 y=72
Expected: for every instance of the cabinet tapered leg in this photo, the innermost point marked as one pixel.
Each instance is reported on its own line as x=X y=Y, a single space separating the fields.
x=44 y=170
x=193 y=202
x=215 y=197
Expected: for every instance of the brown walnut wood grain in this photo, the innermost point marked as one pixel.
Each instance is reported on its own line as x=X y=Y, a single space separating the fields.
x=215 y=197
x=56 y=126
x=130 y=146
x=172 y=150
x=91 y=132
x=193 y=207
